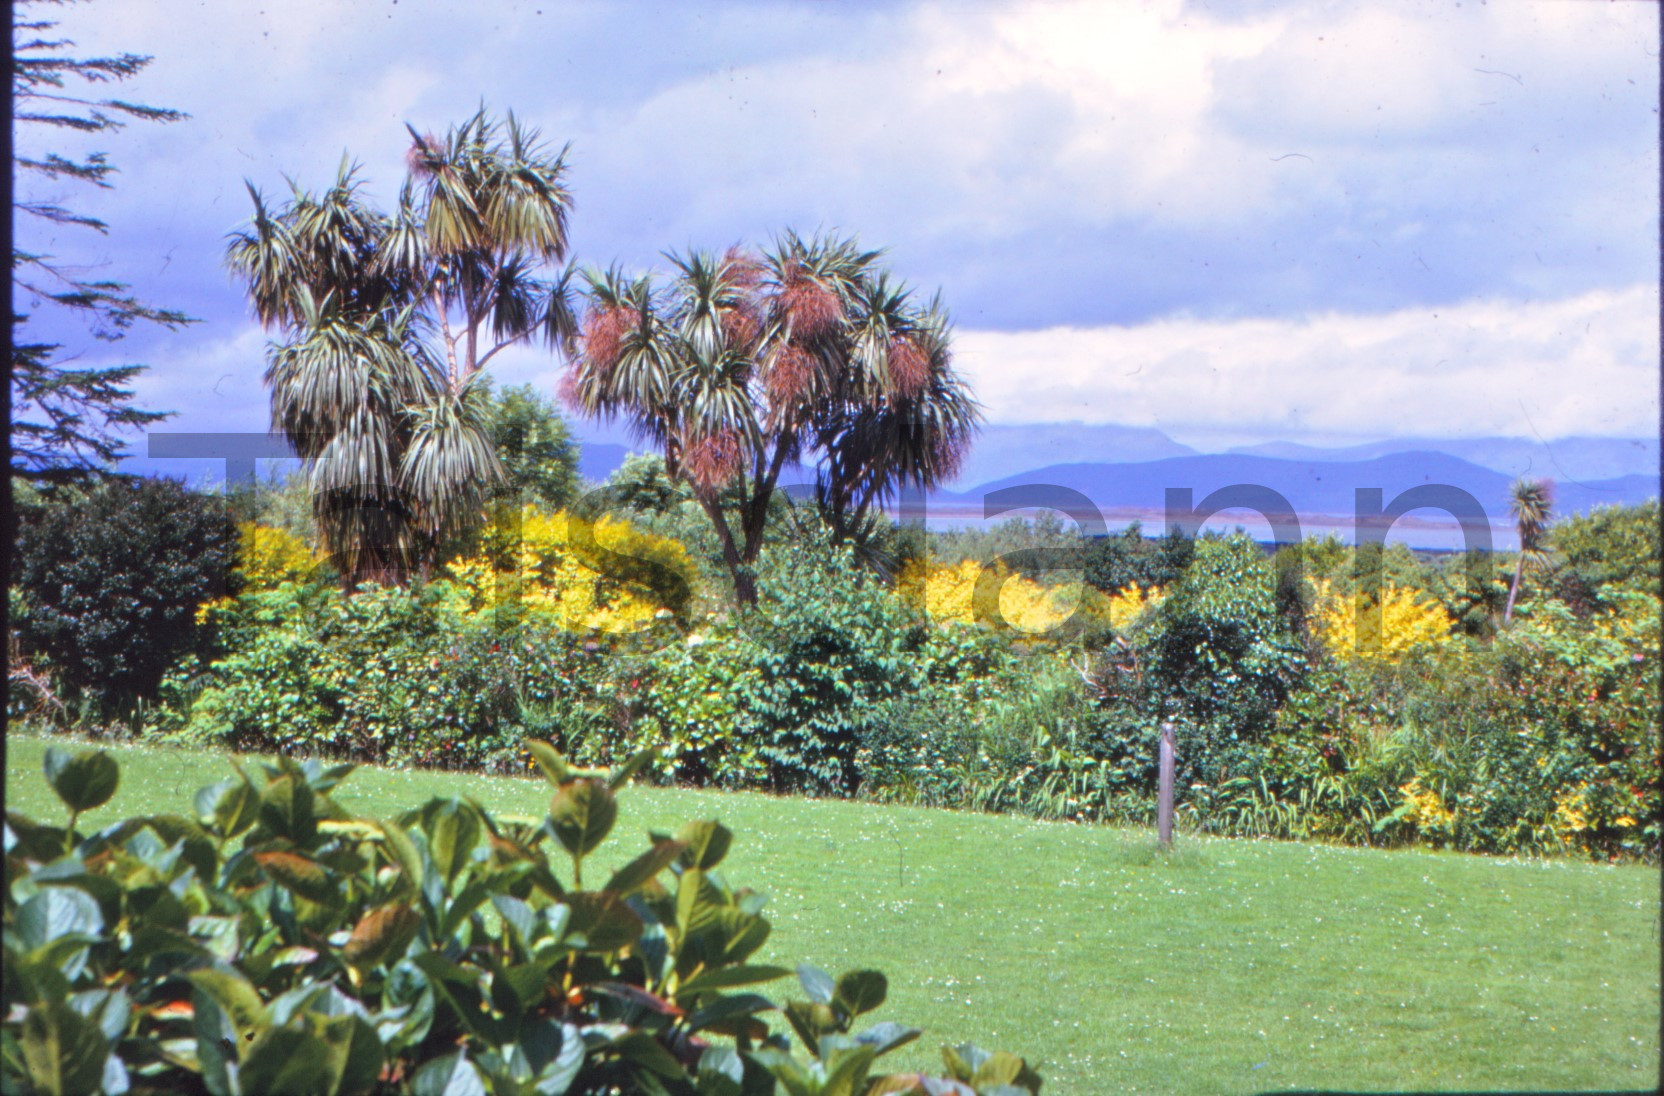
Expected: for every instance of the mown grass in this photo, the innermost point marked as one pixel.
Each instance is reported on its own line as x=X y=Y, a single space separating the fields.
x=1232 y=967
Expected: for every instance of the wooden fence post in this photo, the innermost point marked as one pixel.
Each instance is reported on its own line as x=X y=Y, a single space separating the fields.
x=1164 y=789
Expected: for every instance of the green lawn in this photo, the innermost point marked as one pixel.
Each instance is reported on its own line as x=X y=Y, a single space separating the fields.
x=1234 y=966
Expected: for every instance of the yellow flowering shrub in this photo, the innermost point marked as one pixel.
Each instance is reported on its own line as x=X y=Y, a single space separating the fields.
x=269 y=557
x=1427 y=812
x=1403 y=618
x=1570 y=820
x=1129 y=603
x=266 y=558
x=948 y=593
x=539 y=570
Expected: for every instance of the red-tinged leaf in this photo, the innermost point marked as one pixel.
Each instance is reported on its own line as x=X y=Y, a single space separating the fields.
x=638 y=996
x=304 y=877
x=381 y=936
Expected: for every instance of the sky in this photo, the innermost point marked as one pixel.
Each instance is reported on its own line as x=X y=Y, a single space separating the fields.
x=1234 y=222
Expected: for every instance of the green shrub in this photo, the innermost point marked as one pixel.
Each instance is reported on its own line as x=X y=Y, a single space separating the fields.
x=539 y=455
x=110 y=583
x=384 y=675
x=1610 y=545
x=1128 y=558
x=1542 y=741
x=693 y=708
x=831 y=645
x=1218 y=660
x=269 y=942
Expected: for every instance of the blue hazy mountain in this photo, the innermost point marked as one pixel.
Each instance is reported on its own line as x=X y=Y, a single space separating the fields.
x=1310 y=486
x=1007 y=450
x=1123 y=467
x=1567 y=459
x=1000 y=450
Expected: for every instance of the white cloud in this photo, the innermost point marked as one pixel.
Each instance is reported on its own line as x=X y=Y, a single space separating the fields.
x=1580 y=365
x=1044 y=162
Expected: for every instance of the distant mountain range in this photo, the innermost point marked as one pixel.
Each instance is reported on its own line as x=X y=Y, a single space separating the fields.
x=1007 y=450
x=1312 y=487
x=1565 y=461
x=1128 y=469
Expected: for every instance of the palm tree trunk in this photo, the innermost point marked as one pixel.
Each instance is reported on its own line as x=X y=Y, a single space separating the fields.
x=1513 y=589
x=745 y=587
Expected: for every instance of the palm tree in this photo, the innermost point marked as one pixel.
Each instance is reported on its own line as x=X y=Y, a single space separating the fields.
x=1530 y=502
x=748 y=361
x=385 y=323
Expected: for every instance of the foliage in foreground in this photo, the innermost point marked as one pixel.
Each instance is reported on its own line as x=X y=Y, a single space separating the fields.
x=270 y=942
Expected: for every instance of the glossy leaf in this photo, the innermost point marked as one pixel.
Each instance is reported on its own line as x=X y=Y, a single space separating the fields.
x=860 y=991
x=63 y=1051
x=84 y=779
x=582 y=814
x=381 y=935
x=644 y=868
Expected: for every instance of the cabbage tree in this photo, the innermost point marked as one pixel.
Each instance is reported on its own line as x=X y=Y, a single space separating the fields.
x=740 y=364
x=384 y=322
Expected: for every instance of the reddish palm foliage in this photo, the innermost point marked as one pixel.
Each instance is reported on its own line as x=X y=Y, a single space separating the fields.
x=603 y=337
x=741 y=326
x=812 y=309
x=791 y=373
x=909 y=367
x=744 y=269
x=569 y=389
x=714 y=459
x=424 y=155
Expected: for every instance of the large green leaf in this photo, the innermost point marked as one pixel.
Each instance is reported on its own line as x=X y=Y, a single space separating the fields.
x=729 y=977
x=721 y=1072
x=816 y=983
x=300 y=875
x=887 y=1036
x=381 y=935
x=606 y=923
x=553 y=765
x=621 y=775
x=642 y=869
x=846 y=1069
x=453 y=830
x=724 y=1009
x=860 y=991
x=63 y=1051
x=285 y=1059
x=236 y=996
x=707 y=843
x=228 y=807
x=642 y=1050
x=355 y=1054
x=84 y=779
x=402 y=851
x=288 y=809
x=582 y=814
x=556 y=1053
x=452 y=1075
x=55 y=912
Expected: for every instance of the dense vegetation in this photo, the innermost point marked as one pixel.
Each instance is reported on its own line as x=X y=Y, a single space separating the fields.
x=941 y=670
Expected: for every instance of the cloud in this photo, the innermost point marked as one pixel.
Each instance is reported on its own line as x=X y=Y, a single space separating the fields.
x=1096 y=181
x=1043 y=162
x=1584 y=365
